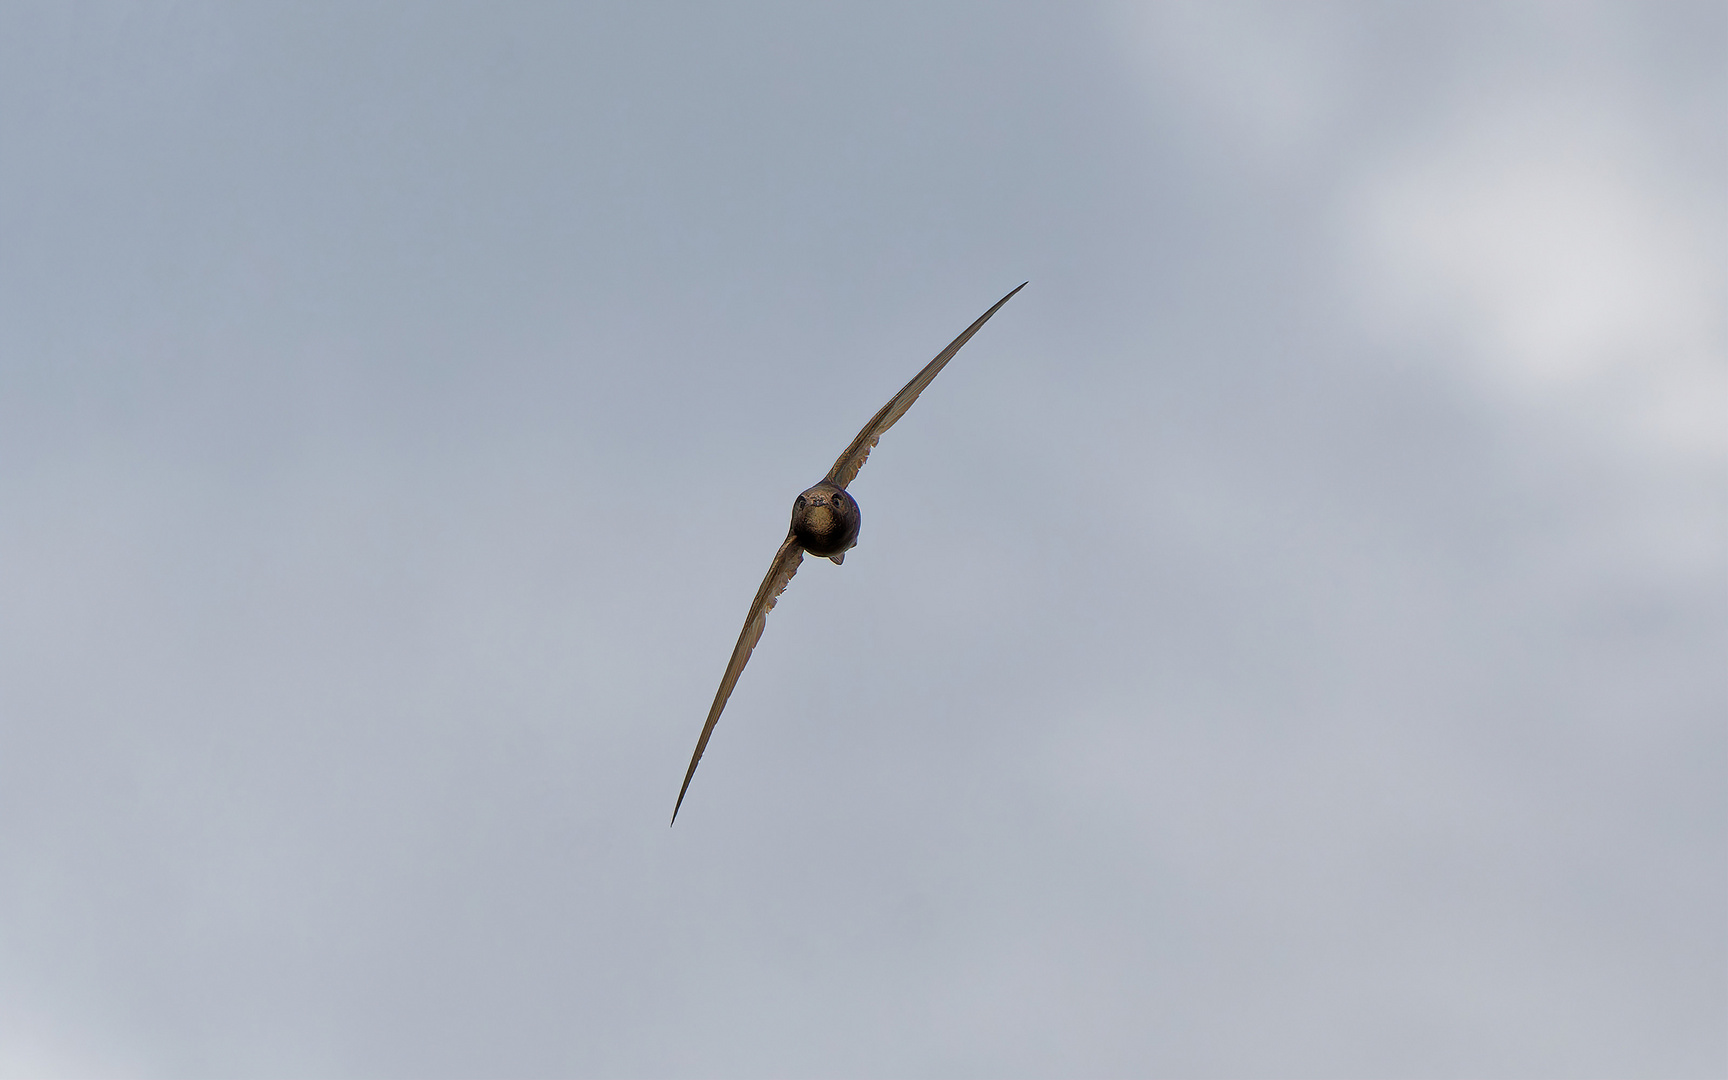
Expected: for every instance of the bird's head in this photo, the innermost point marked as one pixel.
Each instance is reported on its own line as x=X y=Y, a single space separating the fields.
x=825 y=520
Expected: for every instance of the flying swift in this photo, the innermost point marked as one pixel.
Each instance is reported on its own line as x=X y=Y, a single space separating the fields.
x=825 y=521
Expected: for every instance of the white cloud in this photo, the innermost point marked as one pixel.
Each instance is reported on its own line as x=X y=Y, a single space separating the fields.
x=1534 y=213
x=31 y=1050
x=1559 y=258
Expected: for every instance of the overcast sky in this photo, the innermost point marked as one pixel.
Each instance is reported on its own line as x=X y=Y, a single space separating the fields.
x=1287 y=641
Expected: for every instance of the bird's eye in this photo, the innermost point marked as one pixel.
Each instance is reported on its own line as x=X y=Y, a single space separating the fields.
x=799 y=505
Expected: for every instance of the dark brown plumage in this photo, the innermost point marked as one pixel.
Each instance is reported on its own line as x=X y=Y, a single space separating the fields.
x=825 y=521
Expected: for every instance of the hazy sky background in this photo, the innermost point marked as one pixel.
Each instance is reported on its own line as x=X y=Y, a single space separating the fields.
x=1288 y=641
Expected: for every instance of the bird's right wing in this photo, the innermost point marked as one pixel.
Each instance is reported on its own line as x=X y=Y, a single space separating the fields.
x=785 y=564
x=846 y=468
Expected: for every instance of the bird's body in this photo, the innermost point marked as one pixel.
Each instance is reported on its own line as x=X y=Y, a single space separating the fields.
x=825 y=522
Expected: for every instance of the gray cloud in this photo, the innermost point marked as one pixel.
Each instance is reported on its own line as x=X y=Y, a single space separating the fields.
x=399 y=407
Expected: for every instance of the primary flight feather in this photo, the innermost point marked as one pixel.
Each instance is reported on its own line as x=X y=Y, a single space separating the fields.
x=825 y=522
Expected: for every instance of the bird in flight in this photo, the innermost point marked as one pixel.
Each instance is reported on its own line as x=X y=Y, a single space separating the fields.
x=825 y=522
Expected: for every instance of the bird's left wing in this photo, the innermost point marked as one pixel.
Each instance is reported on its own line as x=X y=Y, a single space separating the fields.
x=848 y=464
x=785 y=564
